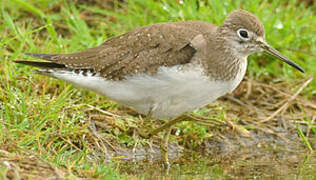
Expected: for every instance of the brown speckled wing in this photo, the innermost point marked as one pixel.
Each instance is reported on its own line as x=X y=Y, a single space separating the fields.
x=142 y=50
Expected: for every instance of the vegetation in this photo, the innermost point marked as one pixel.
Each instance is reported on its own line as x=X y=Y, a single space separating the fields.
x=44 y=123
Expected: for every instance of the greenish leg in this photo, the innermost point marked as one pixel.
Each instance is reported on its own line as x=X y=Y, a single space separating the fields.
x=167 y=125
x=185 y=117
x=164 y=148
x=167 y=128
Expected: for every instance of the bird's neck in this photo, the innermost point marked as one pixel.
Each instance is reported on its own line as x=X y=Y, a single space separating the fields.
x=222 y=63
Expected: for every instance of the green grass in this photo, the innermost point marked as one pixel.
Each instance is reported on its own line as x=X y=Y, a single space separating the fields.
x=43 y=115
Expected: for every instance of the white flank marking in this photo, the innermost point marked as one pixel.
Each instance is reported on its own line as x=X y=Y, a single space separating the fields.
x=169 y=93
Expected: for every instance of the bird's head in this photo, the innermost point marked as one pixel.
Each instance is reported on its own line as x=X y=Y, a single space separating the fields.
x=245 y=35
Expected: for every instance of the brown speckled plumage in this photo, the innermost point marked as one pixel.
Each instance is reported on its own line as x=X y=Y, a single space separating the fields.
x=145 y=49
x=141 y=50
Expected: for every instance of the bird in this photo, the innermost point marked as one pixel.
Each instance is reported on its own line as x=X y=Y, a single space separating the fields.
x=167 y=69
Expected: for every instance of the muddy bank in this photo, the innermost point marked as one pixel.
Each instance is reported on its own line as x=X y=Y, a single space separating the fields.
x=276 y=152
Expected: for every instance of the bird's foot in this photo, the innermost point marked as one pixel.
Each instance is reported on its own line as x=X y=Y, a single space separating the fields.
x=164 y=156
x=164 y=149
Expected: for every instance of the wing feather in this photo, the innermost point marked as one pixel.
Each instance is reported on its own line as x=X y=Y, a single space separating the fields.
x=141 y=50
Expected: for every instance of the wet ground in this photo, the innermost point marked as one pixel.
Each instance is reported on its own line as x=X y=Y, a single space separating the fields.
x=260 y=154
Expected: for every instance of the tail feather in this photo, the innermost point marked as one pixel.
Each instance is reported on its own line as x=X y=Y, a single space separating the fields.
x=50 y=57
x=48 y=65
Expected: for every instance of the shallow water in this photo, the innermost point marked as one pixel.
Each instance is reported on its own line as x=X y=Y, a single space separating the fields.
x=209 y=168
x=260 y=155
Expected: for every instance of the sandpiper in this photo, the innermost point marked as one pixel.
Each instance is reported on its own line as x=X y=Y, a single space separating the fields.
x=167 y=69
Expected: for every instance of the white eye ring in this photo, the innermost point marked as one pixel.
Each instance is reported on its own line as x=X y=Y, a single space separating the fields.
x=243 y=34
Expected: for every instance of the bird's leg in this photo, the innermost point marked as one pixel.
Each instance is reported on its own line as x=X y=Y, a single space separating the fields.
x=185 y=117
x=148 y=117
x=168 y=125
x=164 y=126
x=164 y=148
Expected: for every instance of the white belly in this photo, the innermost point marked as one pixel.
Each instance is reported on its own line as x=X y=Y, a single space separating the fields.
x=168 y=94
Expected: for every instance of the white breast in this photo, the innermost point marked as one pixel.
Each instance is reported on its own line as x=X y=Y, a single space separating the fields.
x=169 y=93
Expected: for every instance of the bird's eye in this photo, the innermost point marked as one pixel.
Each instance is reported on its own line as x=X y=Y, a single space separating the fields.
x=243 y=33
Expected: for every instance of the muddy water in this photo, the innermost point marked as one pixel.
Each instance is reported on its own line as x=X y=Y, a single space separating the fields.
x=280 y=155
